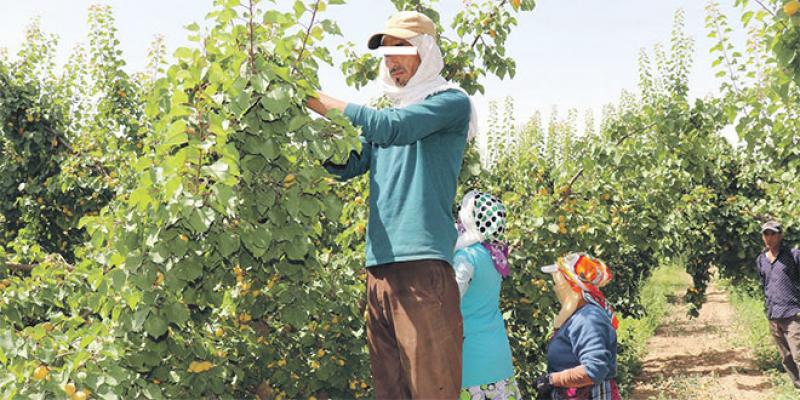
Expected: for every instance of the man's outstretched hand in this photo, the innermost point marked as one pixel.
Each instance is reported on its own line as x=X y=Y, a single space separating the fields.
x=322 y=103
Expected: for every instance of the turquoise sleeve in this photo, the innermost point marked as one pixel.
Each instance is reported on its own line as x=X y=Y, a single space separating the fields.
x=407 y=125
x=357 y=164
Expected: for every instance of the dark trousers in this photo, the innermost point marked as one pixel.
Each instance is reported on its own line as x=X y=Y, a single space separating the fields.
x=786 y=332
x=414 y=330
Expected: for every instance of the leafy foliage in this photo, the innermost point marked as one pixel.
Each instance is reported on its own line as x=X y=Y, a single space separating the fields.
x=171 y=233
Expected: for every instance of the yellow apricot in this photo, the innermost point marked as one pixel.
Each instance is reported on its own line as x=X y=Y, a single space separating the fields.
x=791 y=7
x=69 y=389
x=289 y=180
x=41 y=372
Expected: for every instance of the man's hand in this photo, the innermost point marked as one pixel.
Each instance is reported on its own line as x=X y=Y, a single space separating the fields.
x=543 y=387
x=322 y=103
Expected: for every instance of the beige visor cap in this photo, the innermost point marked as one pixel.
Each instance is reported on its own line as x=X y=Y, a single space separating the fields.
x=404 y=25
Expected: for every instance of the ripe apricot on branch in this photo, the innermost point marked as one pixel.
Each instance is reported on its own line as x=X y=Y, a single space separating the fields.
x=791 y=7
x=41 y=372
x=200 y=366
x=69 y=389
x=289 y=180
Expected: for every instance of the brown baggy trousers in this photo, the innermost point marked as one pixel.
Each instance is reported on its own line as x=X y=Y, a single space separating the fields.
x=414 y=330
x=786 y=332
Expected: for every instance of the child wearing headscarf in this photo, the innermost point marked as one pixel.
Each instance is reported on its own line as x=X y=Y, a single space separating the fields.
x=481 y=263
x=582 y=355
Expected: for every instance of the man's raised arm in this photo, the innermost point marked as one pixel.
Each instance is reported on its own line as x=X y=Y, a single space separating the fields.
x=323 y=103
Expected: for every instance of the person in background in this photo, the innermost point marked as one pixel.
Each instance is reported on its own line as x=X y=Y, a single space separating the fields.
x=481 y=263
x=582 y=355
x=779 y=270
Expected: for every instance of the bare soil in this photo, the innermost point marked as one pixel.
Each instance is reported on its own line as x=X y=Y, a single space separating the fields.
x=696 y=358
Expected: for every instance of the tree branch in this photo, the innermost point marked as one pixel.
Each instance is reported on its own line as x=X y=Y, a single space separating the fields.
x=14 y=267
x=305 y=39
x=725 y=55
x=578 y=174
x=774 y=15
x=27 y=268
x=255 y=103
x=492 y=14
x=62 y=141
x=251 y=50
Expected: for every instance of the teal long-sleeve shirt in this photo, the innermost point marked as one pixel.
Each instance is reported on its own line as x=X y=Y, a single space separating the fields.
x=413 y=155
x=486 y=353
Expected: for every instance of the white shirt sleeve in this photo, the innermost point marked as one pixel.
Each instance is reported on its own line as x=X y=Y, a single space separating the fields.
x=464 y=272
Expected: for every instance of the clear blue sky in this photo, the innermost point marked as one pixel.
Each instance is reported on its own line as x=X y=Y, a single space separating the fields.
x=570 y=53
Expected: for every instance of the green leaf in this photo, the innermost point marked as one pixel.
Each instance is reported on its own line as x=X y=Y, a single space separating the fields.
x=297 y=250
x=176 y=134
x=78 y=359
x=201 y=219
x=176 y=313
x=218 y=171
x=746 y=17
x=139 y=317
x=277 y=100
x=132 y=299
x=218 y=126
x=299 y=8
x=257 y=240
x=309 y=206
x=276 y=17
x=152 y=392
x=178 y=247
x=224 y=200
x=295 y=316
x=267 y=148
x=227 y=243
x=140 y=198
x=184 y=53
x=155 y=325
x=260 y=83
x=117 y=279
x=298 y=121
x=189 y=269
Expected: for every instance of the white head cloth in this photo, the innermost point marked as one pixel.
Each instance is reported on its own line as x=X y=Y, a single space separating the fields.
x=466 y=214
x=426 y=81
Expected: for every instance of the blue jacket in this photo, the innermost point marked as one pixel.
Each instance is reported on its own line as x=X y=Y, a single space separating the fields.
x=588 y=339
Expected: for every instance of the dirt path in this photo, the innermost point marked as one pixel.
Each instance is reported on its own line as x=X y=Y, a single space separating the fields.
x=695 y=359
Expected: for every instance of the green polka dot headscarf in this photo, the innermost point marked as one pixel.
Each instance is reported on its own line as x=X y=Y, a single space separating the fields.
x=483 y=216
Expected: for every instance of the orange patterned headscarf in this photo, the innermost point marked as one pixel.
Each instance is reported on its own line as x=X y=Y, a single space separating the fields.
x=586 y=275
